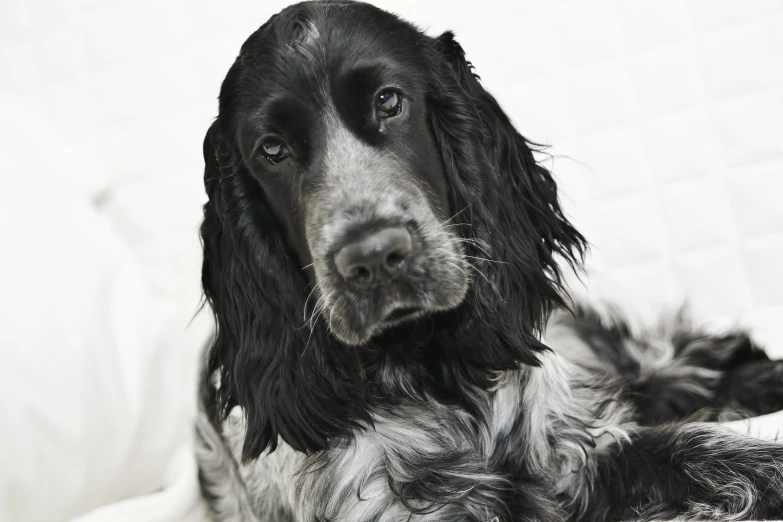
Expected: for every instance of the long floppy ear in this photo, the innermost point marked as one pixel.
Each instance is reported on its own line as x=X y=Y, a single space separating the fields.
x=292 y=382
x=515 y=216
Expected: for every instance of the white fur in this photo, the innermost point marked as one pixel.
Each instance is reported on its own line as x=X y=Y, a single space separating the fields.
x=350 y=482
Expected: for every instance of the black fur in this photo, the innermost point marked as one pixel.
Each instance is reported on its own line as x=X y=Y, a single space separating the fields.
x=252 y=273
x=660 y=471
x=257 y=292
x=710 y=376
x=304 y=74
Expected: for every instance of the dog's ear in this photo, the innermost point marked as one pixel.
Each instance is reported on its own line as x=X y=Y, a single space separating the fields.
x=514 y=207
x=292 y=382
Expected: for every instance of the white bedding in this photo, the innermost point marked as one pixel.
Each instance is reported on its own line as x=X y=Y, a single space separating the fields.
x=98 y=368
x=679 y=188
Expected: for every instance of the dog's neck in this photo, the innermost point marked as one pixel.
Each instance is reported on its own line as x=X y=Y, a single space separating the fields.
x=423 y=360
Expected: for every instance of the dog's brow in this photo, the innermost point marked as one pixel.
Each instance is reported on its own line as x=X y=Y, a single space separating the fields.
x=268 y=115
x=306 y=40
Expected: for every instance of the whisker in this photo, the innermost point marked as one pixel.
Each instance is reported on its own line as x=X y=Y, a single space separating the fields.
x=304 y=311
x=490 y=283
x=331 y=310
x=455 y=215
x=318 y=308
x=455 y=265
x=488 y=260
x=315 y=318
x=315 y=311
x=451 y=256
x=457 y=225
x=485 y=259
x=480 y=245
x=472 y=241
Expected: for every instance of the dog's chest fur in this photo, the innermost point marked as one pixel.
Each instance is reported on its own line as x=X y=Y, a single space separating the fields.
x=424 y=450
x=353 y=480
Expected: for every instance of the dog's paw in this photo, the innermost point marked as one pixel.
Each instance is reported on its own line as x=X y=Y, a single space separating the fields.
x=756 y=387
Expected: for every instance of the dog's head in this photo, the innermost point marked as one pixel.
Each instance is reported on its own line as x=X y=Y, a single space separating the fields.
x=329 y=115
x=361 y=181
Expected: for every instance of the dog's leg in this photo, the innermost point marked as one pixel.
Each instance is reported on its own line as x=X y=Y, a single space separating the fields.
x=237 y=493
x=754 y=386
x=694 y=470
x=674 y=370
x=221 y=484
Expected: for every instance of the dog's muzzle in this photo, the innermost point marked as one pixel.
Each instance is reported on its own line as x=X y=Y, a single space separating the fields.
x=375 y=259
x=375 y=264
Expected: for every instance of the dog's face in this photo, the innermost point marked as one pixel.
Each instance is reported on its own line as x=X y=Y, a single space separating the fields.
x=360 y=177
x=334 y=126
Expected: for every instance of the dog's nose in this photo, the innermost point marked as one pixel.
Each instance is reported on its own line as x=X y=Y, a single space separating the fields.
x=375 y=258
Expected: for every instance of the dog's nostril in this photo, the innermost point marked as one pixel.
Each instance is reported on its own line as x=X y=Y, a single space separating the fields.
x=377 y=257
x=396 y=258
x=361 y=274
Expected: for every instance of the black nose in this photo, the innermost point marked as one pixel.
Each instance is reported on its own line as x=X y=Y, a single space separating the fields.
x=376 y=258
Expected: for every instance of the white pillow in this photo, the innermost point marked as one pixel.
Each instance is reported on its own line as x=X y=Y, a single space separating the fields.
x=96 y=379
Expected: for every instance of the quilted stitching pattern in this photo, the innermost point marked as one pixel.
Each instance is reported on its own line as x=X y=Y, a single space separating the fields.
x=666 y=116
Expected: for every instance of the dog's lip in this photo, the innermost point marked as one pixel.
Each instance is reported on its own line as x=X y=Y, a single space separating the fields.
x=391 y=317
x=398 y=314
x=401 y=313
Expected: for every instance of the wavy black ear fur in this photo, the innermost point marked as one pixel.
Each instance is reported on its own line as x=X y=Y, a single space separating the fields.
x=292 y=383
x=305 y=387
x=514 y=216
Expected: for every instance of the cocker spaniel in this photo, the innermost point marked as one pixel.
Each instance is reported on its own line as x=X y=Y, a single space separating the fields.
x=382 y=254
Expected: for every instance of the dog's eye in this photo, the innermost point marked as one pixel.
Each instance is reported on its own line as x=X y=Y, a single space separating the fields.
x=388 y=103
x=274 y=150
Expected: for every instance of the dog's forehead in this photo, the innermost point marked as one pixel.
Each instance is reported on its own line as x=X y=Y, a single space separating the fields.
x=310 y=22
x=323 y=55
x=321 y=40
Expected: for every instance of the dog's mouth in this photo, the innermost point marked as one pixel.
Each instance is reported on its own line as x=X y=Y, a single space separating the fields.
x=357 y=317
x=402 y=314
x=383 y=273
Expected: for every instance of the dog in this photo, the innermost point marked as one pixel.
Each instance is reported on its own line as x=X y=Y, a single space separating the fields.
x=383 y=256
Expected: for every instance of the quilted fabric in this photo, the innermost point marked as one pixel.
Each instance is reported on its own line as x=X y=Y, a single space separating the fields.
x=665 y=116
x=98 y=370
x=667 y=130
x=665 y=119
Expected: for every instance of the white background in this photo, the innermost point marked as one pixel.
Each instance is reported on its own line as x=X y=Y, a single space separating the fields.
x=665 y=119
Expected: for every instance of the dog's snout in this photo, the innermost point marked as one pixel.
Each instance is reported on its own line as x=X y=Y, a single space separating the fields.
x=375 y=258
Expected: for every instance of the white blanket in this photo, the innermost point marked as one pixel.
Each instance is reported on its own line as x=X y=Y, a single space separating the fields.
x=98 y=373
x=679 y=188
x=98 y=369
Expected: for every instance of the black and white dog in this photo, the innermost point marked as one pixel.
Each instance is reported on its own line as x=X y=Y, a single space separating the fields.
x=381 y=253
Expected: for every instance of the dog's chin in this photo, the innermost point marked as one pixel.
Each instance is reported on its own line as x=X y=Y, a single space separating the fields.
x=356 y=329
x=362 y=335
